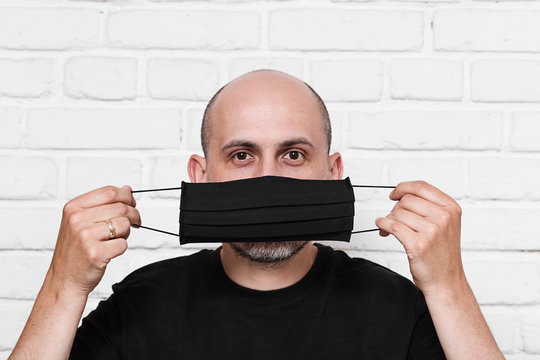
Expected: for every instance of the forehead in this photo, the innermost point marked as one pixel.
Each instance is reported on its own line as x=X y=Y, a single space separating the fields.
x=266 y=108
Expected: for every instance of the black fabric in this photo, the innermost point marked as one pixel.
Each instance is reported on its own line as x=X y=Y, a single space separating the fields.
x=266 y=208
x=188 y=308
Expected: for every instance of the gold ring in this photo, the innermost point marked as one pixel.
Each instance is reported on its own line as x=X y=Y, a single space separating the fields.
x=112 y=230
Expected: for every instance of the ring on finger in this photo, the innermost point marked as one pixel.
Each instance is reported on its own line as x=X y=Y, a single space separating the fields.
x=112 y=229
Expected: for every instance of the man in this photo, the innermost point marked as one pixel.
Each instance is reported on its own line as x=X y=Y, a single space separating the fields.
x=261 y=300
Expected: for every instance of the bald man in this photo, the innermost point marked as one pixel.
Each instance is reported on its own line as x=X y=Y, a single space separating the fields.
x=261 y=300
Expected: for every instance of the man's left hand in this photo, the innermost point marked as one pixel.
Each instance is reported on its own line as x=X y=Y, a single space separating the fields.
x=427 y=222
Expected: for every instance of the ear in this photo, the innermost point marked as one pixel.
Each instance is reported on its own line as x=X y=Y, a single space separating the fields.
x=335 y=164
x=197 y=168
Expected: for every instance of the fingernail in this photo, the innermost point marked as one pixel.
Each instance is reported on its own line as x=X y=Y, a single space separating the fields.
x=377 y=219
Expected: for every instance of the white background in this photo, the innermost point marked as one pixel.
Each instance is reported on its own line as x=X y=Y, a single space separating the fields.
x=94 y=93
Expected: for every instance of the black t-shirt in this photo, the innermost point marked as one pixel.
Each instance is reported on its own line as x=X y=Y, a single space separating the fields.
x=188 y=308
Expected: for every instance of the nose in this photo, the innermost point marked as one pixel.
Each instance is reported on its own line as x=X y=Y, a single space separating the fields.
x=267 y=166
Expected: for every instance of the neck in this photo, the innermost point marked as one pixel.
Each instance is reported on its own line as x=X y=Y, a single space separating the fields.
x=254 y=276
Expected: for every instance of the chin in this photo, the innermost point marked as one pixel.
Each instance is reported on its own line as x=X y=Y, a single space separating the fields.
x=268 y=252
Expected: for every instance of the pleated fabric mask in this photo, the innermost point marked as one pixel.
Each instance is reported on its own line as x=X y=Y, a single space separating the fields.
x=267 y=208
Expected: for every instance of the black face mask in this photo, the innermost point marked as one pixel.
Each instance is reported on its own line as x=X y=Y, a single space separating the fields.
x=267 y=208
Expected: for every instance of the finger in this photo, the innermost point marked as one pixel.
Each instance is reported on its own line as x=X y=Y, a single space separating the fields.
x=402 y=232
x=110 y=211
x=433 y=212
x=127 y=187
x=104 y=195
x=412 y=220
x=423 y=190
x=100 y=231
x=114 y=248
x=383 y=233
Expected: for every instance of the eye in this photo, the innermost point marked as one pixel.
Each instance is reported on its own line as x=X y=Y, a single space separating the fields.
x=241 y=155
x=295 y=155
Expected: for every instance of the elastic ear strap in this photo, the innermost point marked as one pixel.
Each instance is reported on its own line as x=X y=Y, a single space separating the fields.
x=149 y=228
x=180 y=188
x=164 y=189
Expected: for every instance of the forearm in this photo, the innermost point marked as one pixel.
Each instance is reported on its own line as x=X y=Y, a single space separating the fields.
x=461 y=327
x=51 y=326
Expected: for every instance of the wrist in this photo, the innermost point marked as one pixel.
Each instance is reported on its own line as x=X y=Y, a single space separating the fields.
x=62 y=291
x=451 y=290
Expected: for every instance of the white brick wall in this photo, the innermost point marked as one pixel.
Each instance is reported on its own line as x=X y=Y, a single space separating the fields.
x=112 y=92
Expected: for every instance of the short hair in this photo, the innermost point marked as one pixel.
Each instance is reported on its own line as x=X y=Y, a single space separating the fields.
x=206 y=131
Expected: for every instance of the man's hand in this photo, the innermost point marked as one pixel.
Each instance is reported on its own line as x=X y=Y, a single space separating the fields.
x=83 y=248
x=82 y=252
x=428 y=224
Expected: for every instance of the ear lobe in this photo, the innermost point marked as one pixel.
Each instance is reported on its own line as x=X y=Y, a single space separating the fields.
x=335 y=164
x=197 y=168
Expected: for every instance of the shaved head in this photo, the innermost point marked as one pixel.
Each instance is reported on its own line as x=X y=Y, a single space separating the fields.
x=260 y=79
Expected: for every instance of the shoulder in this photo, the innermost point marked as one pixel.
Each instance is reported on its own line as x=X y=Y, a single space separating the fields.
x=370 y=278
x=161 y=273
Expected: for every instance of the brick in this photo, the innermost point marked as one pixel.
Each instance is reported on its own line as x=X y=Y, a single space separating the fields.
x=182 y=79
x=446 y=174
x=364 y=219
x=48 y=29
x=22 y=273
x=30 y=78
x=525 y=130
x=351 y=1
x=426 y=130
x=184 y=29
x=481 y=30
x=337 y=121
x=504 y=178
x=191 y=134
x=366 y=171
x=428 y=1
x=168 y=171
x=29 y=177
x=11 y=127
x=14 y=315
x=157 y=215
x=103 y=128
x=426 y=79
x=531 y=334
x=41 y=235
x=520 y=356
x=85 y=174
x=503 y=281
x=505 y=328
x=499 y=228
x=345 y=29
x=347 y=80
x=102 y=78
x=291 y=66
x=505 y=80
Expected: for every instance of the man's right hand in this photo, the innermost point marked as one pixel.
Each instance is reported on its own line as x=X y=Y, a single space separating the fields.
x=83 y=248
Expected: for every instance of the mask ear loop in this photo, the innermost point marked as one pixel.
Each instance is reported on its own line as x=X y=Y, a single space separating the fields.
x=371 y=186
x=149 y=228
x=180 y=188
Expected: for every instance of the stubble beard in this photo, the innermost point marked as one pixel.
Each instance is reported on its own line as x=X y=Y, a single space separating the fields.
x=268 y=252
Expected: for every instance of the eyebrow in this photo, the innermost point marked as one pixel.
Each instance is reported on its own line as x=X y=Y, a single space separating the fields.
x=283 y=144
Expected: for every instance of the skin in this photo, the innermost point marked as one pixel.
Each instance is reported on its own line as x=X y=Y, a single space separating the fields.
x=266 y=110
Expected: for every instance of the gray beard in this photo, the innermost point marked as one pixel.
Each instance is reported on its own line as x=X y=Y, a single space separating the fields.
x=268 y=252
